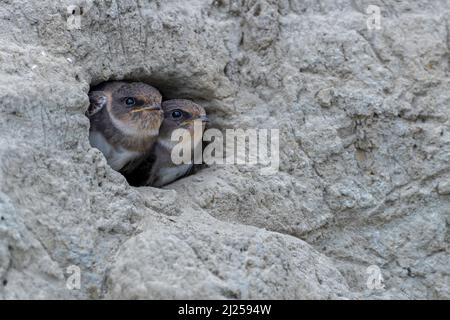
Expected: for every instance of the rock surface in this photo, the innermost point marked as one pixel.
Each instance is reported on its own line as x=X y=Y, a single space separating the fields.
x=364 y=153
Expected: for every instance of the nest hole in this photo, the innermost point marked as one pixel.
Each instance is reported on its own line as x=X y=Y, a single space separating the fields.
x=121 y=130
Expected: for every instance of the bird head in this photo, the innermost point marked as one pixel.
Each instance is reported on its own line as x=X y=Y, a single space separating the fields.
x=134 y=107
x=137 y=105
x=181 y=114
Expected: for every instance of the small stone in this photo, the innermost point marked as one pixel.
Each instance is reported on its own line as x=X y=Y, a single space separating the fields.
x=443 y=187
x=325 y=97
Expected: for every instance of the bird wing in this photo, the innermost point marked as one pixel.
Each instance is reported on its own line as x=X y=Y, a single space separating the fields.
x=97 y=101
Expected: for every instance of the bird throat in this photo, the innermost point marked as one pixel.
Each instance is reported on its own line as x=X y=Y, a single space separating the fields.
x=130 y=136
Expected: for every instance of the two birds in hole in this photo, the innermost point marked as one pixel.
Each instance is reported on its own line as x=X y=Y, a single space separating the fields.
x=132 y=127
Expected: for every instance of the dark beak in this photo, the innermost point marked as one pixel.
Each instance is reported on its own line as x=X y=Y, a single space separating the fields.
x=204 y=119
x=153 y=107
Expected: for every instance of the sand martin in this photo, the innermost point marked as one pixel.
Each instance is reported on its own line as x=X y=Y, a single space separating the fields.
x=159 y=169
x=125 y=120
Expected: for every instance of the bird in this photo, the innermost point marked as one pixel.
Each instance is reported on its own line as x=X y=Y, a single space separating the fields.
x=158 y=169
x=125 y=118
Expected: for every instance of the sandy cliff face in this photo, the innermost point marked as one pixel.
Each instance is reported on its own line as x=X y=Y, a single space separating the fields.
x=364 y=150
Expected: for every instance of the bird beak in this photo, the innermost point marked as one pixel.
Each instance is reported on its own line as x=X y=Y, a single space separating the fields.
x=191 y=121
x=204 y=119
x=154 y=107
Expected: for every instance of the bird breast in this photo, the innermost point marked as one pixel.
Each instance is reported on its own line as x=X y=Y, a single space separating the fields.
x=169 y=174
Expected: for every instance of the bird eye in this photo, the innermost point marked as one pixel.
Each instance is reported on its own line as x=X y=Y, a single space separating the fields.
x=176 y=114
x=130 y=102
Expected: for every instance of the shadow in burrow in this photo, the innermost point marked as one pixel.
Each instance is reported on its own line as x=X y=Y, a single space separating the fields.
x=169 y=89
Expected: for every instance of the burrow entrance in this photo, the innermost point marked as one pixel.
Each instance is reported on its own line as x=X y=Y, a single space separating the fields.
x=132 y=122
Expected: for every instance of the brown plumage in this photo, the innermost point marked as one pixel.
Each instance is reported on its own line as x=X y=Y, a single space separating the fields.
x=158 y=169
x=125 y=119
